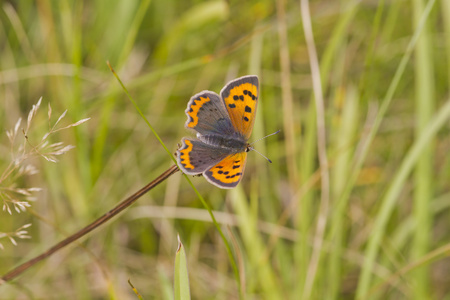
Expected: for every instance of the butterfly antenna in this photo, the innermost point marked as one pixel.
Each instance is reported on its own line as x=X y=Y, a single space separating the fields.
x=278 y=131
x=251 y=148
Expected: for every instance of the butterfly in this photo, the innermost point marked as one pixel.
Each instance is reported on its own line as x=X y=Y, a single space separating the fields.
x=223 y=124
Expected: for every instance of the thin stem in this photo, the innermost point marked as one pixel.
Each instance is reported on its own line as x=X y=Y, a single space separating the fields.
x=321 y=149
x=287 y=96
x=82 y=232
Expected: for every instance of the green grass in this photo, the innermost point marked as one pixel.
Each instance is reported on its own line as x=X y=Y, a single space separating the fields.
x=385 y=76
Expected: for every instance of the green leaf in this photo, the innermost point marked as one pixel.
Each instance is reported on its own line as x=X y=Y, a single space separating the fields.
x=181 y=278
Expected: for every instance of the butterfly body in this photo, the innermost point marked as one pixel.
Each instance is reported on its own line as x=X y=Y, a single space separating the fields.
x=235 y=145
x=224 y=124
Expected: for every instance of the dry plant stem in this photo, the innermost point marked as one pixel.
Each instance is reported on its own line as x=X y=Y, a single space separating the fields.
x=103 y=219
x=321 y=148
x=287 y=97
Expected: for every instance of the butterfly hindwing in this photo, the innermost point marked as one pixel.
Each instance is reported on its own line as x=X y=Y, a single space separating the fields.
x=195 y=157
x=241 y=98
x=207 y=115
x=228 y=172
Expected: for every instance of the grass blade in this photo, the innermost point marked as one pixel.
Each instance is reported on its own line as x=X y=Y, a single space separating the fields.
x=181 y=276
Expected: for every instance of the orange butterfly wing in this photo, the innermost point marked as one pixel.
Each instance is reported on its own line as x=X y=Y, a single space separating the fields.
x=228 y=172
x=241 y=99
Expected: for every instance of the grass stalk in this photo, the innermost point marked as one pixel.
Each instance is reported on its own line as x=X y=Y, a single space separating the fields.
x=286 y=94
x=321 y=150
x=424 y=171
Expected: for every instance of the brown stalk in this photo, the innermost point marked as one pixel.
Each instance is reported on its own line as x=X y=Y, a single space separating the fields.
x=82 y=232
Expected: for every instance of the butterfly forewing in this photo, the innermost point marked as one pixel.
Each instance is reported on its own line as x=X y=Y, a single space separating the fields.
x=241 y=98
x=195 y=157
x=227 y=173
x=207 y=114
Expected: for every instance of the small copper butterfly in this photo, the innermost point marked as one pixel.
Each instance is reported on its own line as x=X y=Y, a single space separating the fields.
x=224 y=124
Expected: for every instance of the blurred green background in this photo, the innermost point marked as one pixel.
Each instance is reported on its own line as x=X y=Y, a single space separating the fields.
x=383 y=232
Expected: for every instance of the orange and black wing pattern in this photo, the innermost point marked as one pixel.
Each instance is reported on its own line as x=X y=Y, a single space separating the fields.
x=241 y=99
x=228 y=172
